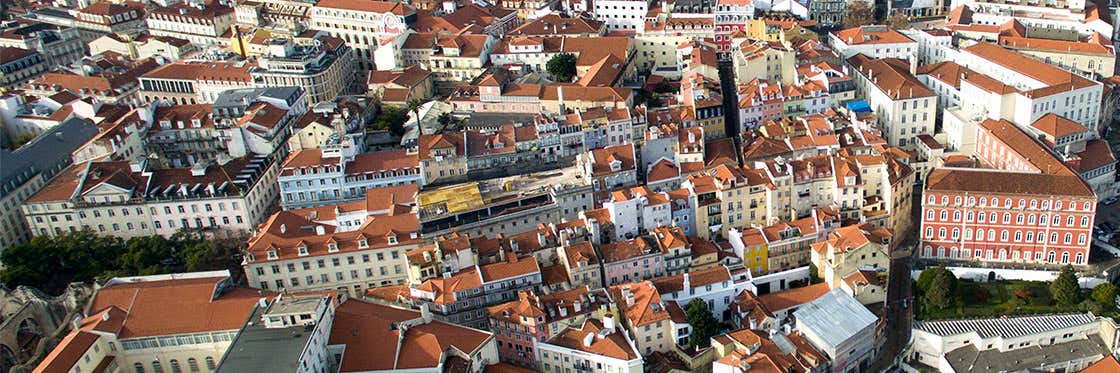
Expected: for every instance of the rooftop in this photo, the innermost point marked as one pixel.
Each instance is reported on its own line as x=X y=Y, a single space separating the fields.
x=835 y=317
x=1006 y=328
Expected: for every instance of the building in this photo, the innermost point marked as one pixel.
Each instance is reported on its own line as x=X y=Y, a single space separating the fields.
x=462 y=297
x=622 y=15
x=125 y=326
x=365 y=25
x=349 y=247
x=337 y=123
x=750 y=350
x=316 y=177
x=399 y=87
x=595 y=346
x=645 y=316
x=59 y=45
x=840 y=327
x=904 y=106
x=730 y=17
x=325 y=68
x=609 y=168
x=19 y=66
x=632 y=260
x=136 y=199
x=294 y=330
x=1060 y=341
x=201 y=24
x=1081 y=17
x=874 y=41
x=713 y=286
x=1024 y=207
x=110 y=81
x=29 y=168
x=184 y=83
x=531 y=319
x=374 y=337
x=459 y=57
x=103 y=18
x=849 y=250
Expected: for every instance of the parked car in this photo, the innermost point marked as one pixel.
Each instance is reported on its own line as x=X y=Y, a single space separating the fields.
x=1109 y=201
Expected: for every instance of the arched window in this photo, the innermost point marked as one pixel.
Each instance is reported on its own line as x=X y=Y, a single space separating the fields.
x=1030 y=236
x=1068 y=238
x=956 y=216
x=971 y=201
x=210 y=363
x=944 y=215
x=992 y=235
x=175 y=368
x=1007 y=202
x=928 y=253
x=941 y=233
x=993 y=217
x=929 y=232
x=139 y=367
x=968 y=233
x=1081 y=239
x=971 y=215
x=944 y=200
x=929 y=214
x=1058 y=205
x=1022 y=203
x=1019 y=218
x=956 y=233
x=1065 y=257
x=1003 y=235
x=980 y=234
x=1079 y=259
x=1006 y=218
x=192 y=364
x=983 y=201
x=1084 y=221
x=1030 y=219
x=957 y=200
x=157 y=367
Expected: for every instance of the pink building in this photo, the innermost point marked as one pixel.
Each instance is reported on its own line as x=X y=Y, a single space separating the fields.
x=632 y=260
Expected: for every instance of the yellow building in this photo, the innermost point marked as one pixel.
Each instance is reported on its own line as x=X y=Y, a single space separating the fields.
x=780 y=29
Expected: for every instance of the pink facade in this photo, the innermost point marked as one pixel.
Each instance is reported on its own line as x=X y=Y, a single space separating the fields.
x=643 y=267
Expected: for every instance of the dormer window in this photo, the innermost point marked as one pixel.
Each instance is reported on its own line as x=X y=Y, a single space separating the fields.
x=252 y=257
x=392 y=239
x=362 y=243
x=616 y=165
x=272 y=255
x=302 y=250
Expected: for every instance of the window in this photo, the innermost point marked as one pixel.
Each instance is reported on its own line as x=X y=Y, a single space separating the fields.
x=139 y=367
x=210 y=360
x=192 y=364
x=157 y=367
x=175 y=366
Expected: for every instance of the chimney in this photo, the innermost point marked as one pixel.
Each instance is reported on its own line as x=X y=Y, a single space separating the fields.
x=686 y=282
x=425 y=313
x=608 y=323
x=319 y=230
x=587 y=339
x=283 y=228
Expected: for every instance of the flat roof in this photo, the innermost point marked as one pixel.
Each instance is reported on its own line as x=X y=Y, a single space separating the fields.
x=835 y=317
x=968 y=359
x=260 y=349
x=458 y=198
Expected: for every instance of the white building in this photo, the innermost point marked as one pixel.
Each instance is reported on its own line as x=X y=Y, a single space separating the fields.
x=1069 y=342
x=905 y=107
x=200 y=24
x=622 y=15
x=840 y=327
x=366 y=25
x=315 y=177
x=875 y=41
x=597 y=346
x=712 y=285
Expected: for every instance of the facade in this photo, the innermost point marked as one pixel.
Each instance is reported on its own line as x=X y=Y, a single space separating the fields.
x=1027 y=207
x=609 y=168
x=209 y=308
x=19 y=66
x=365 y=25
x=316 y=177
x=905 y=107
x=199 y=24
x=646 y=318
x=325 y=69
x=29 y=168
x=595 y=346
x=622 y=15
x=874 y=41
x=521 y=324
x=713 y=286
x=849 y=250
x=59 y=45
x=127 y=200
x=462 y=298
x=102 y=18
x=193 y=82
x=632 y=260
x=349 y=247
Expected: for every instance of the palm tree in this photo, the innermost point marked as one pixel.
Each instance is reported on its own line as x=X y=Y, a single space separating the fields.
x=414 y=107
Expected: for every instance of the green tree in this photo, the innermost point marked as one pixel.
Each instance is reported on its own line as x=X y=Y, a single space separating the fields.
x=1105 y=295
x=147 y=255
x=1065 y=289
x=942 y=291
x=413 y=106
x=562 y=67
x=926 y=278
x=20 y=140
x=899 y=21
x=51 y=263
x=704 y=325
x=859 y=13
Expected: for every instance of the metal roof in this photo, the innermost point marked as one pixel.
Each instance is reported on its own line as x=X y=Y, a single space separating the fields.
x=1005 y=327
x=835 y=317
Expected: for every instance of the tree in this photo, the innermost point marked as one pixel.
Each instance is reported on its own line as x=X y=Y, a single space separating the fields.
x=413 y=106
x=1105 y=295
x=942 y=291
x=859 y=13
x=51 y=263
x=1065 y=289
x=20 y=140
x=562 y=67
x=899 y=21
x=704 y=325
x=926 y=278
x=147 y=255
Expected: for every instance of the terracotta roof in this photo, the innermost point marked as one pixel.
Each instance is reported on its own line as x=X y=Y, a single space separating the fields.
x=445 y=288
x=513 y=268
x=1057 y=126
x=1106 y=365
x=372 y=6
x=1092 y=46
x=1038 y=70
x=646 y=307
x=67 y=353
x=793 y=297
x=579 y=252
x=373 y=343
x=9 y=54
x=614 y=345
x=948 y=72
x=703 y=277
x=852 y=237
x=626 y=250
x=663 y=169
x=891 y=75
x=603 y=157
x=1097 y=153
x=178 y=306
x=203 y=71
x=554 y=24
x=872 y=34
x=445 y=140
x=285 y=232
x=862 y=277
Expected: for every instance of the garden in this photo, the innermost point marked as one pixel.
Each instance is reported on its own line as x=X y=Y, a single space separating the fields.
x=940 y=295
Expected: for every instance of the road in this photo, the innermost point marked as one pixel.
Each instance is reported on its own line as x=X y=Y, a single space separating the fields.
x=897 y=310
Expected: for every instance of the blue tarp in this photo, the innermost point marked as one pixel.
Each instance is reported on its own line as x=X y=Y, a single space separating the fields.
x=858 y=106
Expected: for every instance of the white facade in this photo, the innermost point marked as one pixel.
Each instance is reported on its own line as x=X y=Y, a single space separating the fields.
x=622 y=15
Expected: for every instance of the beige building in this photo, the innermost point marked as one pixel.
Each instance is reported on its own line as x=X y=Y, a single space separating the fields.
x=349 y=247
x=769 y=60
x=399 y=87
x=323 y=67
x=200 y=24
x=443 y=157
x=127 y=200
x=851 y=249
x=126 y=327
x=365 y=25
x=644 y=315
